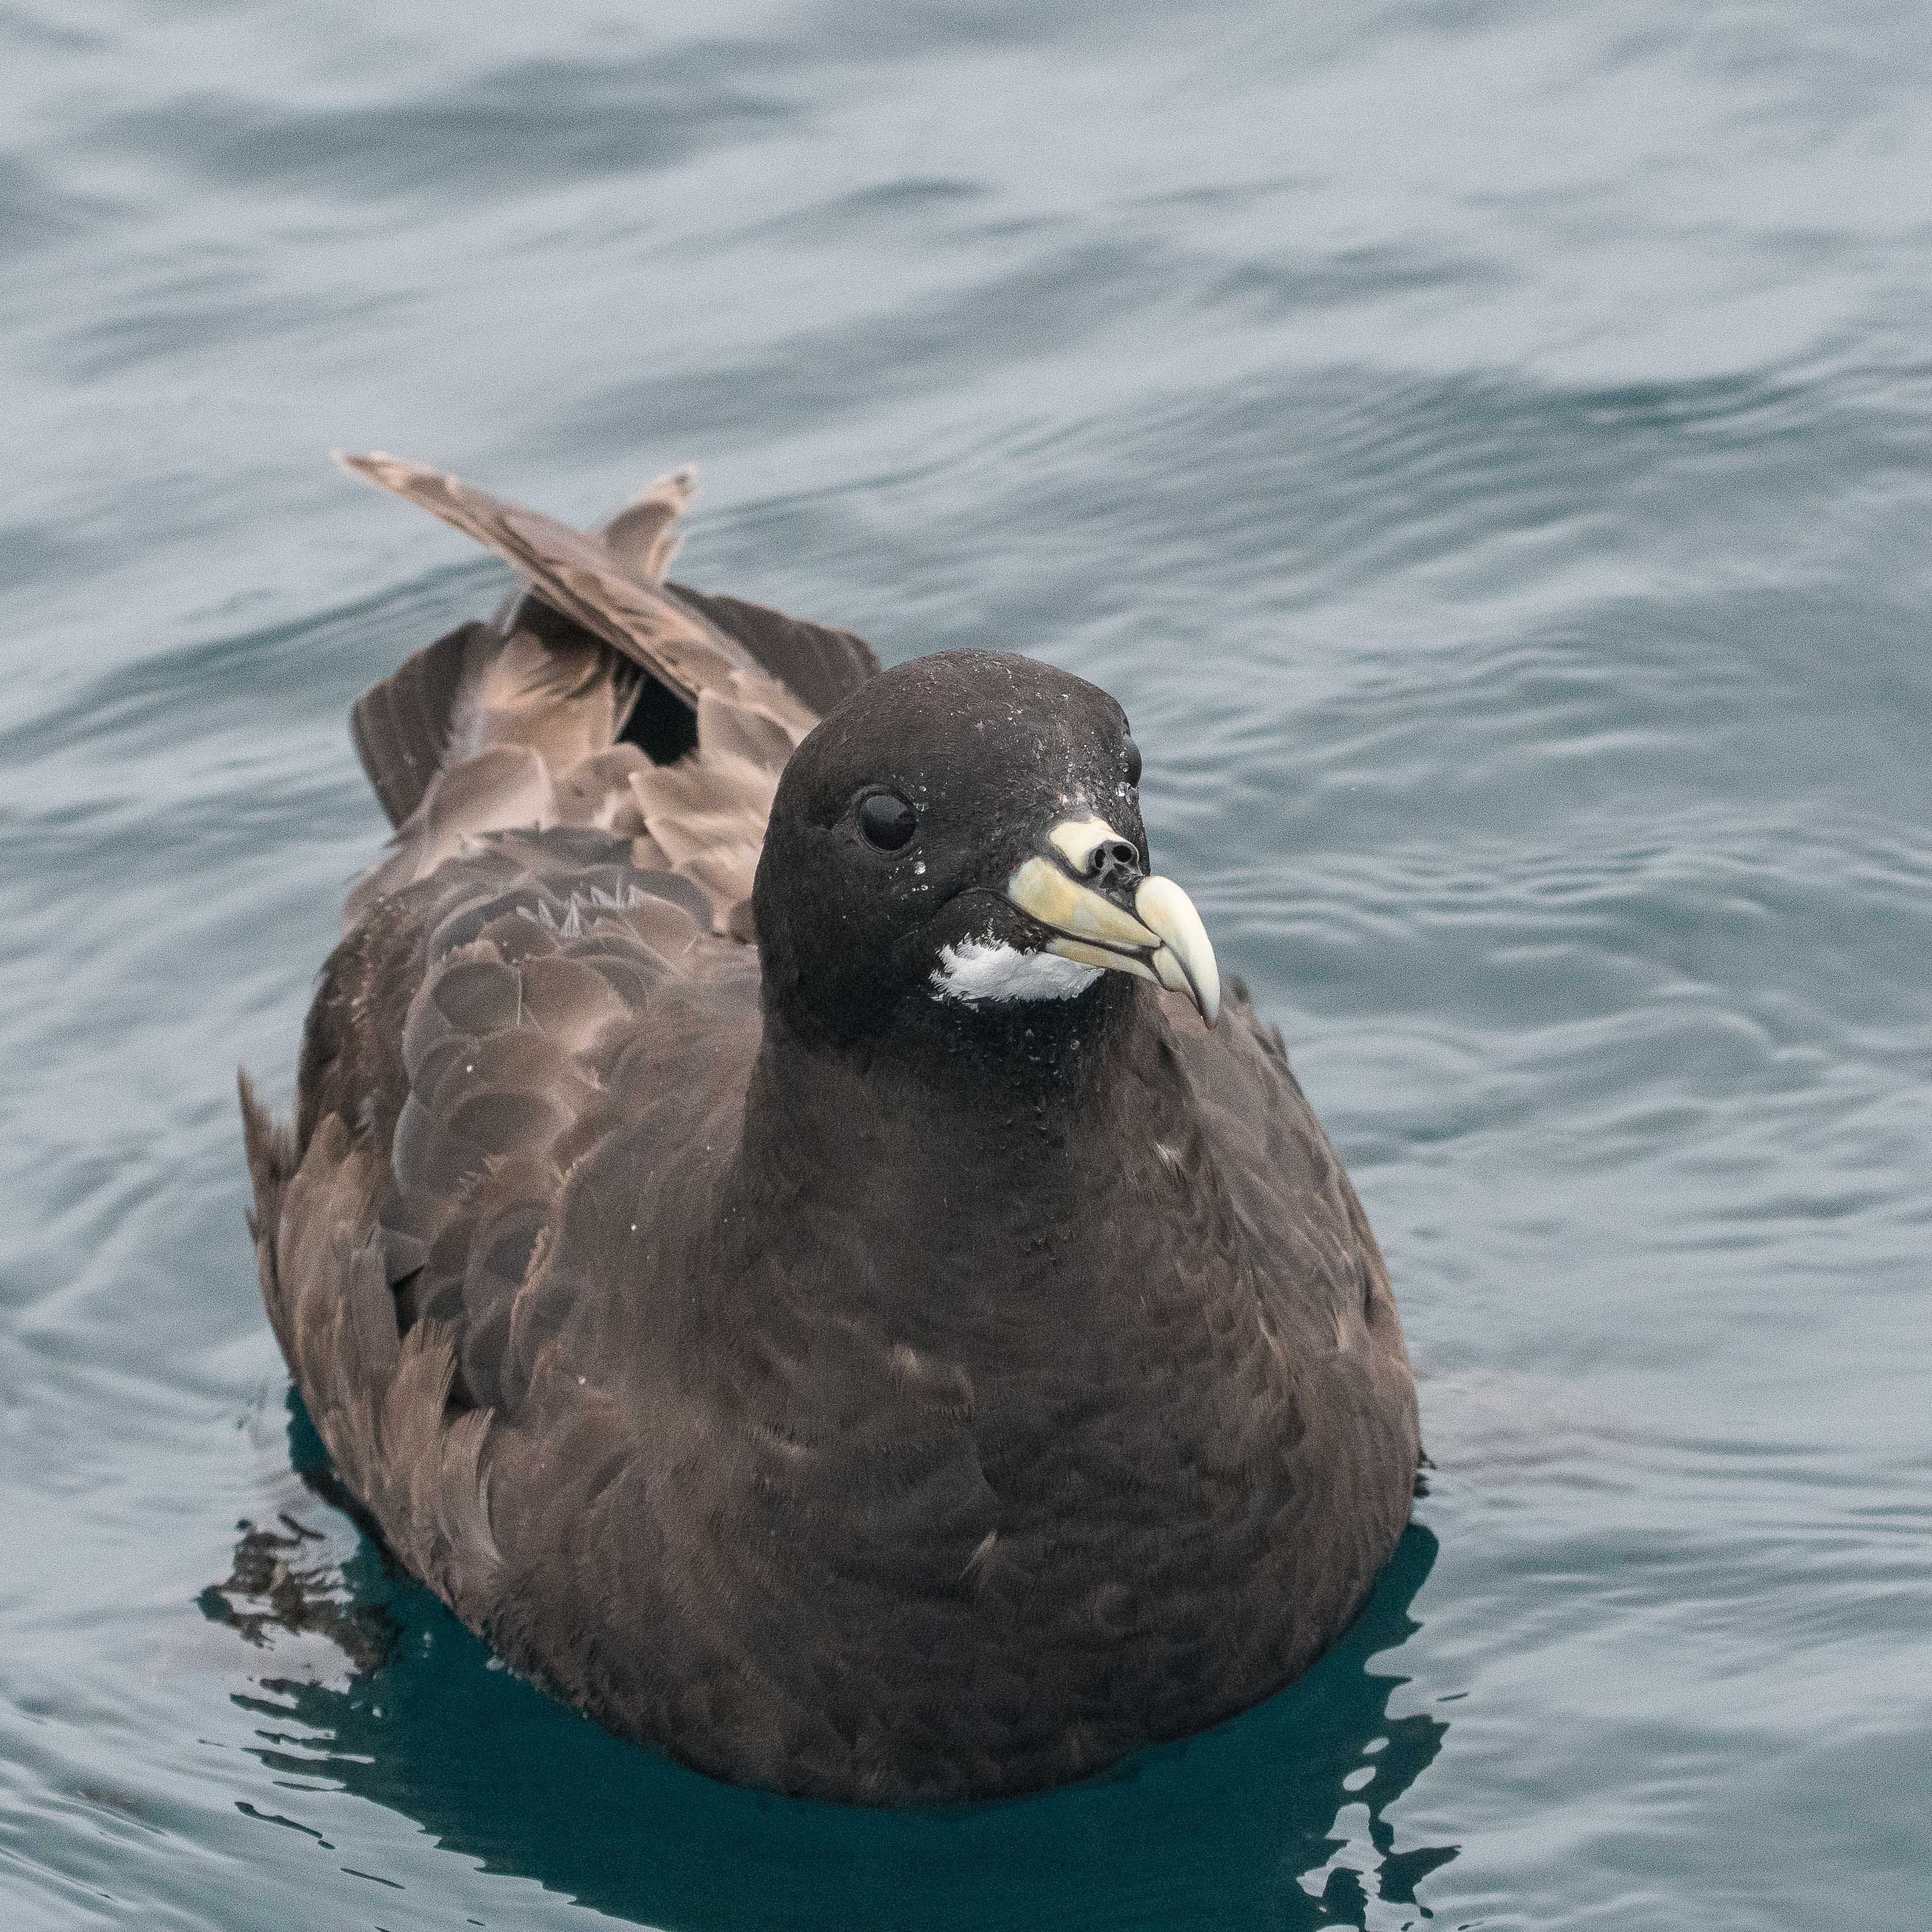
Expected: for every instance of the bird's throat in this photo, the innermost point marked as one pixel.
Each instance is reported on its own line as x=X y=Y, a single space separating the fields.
x=967 y=1185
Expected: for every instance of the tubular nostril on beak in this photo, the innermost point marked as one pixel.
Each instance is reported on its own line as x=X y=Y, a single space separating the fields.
x=1113 y=863
x=1097 y=856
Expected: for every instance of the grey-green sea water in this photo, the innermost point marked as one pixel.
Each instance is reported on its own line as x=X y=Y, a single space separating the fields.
x=1488 y=448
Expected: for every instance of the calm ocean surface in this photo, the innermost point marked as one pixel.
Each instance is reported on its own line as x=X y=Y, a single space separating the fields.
x=1488 y=448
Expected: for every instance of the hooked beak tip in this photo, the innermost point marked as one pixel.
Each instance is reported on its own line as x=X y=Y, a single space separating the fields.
x=1165 y=910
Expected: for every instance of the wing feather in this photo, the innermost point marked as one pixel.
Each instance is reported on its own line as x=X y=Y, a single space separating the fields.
x=517 y=725
x=577 y=575
x=400 y=727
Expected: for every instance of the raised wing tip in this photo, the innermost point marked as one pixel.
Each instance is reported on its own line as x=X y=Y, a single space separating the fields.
x=395 y=474
x=673 y=487
x=376 y=466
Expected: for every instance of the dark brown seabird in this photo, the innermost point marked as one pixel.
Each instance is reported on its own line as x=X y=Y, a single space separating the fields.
x=772 y=1230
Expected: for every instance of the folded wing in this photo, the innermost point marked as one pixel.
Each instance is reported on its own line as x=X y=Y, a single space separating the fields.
x=604 y=698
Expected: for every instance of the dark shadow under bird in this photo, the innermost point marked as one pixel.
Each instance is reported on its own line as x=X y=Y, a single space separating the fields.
x=772 y=1230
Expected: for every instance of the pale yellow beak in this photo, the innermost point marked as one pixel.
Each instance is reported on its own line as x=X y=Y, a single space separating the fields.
x=1162 y=939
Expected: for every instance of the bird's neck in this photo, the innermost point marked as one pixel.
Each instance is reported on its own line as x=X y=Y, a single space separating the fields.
x=970 y=1183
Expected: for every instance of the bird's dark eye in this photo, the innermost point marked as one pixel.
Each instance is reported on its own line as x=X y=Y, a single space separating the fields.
x=1133 y=752
x=887 y=821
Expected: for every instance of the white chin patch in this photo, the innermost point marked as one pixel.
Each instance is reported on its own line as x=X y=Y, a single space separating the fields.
x=978 y=970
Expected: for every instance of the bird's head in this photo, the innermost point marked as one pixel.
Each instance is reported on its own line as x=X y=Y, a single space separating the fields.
x=964 y=832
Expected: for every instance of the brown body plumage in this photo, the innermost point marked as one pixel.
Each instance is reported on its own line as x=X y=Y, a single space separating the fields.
x=847 y=1390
